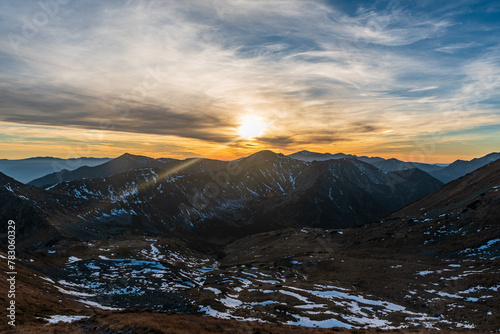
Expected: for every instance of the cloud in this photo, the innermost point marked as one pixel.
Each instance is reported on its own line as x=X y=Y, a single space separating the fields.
x=286 y=141
x=391 y=27
x=457 y=47
x=190 y=70
x=33 y=107
x=423 y=89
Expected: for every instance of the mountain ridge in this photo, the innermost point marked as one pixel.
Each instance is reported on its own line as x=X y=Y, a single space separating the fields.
x=26 y=170
x=427 y=264
x=460 y=168
x=223 y=200
x=125 y=162
x=443 y=173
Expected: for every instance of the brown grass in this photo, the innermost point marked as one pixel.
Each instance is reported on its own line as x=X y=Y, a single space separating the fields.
x=35 y=298
x=142 y=322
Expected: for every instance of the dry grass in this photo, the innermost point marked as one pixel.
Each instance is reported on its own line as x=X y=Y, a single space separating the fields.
x=38 y=328
x=35 y=298
x=142 y=322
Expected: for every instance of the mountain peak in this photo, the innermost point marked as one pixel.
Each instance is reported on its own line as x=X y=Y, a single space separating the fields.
x=128 y=156
x=265 y=155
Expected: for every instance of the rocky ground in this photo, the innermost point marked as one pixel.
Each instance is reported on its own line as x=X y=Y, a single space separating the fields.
x=297 y=276
x=434 y=265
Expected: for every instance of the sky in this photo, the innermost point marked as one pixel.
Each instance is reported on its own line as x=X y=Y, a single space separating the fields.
x=414 y=80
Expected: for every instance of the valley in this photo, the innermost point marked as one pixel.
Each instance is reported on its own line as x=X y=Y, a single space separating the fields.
x=334 y=243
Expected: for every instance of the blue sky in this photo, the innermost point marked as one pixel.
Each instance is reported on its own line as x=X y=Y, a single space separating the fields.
x=417 y=80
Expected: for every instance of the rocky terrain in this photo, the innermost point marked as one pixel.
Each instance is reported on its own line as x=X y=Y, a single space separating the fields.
x=221 y=201
x=432 y=264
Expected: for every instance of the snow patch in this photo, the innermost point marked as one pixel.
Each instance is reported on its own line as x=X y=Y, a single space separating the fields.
x=54 y=319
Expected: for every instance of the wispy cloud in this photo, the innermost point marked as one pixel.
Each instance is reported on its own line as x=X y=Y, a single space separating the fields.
x=423 y=89
x=191 y=70
x=457 y=47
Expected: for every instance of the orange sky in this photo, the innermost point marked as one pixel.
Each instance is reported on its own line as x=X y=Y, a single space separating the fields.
x=180 y=79
x=24 y=141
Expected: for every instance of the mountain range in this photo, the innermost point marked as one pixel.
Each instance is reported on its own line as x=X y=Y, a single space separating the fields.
x=220 y=200
x=26 y=170
x=444 y=173
x=44 y=172
x=461 y=167
x=318 y=243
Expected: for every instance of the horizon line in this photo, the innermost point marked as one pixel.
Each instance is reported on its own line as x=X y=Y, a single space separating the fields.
x=244 y=156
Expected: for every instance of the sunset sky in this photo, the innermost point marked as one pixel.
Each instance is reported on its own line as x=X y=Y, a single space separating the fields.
x=415 y=80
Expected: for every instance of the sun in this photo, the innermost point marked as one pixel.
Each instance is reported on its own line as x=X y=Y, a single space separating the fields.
x=251 y=127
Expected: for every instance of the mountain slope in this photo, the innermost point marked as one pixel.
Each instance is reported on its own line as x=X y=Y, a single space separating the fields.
x=460 y=219
x=437 y=259
x=262 y=192
x=432 y=264
x=26 y=170
x=34 y=212
x=345 y=193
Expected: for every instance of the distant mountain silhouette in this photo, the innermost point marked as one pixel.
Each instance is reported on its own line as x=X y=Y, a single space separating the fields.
x=313 y=156
x=460 y=167
x=386 y=165
x=26 y=170
x=443 y=173
x=392 y=164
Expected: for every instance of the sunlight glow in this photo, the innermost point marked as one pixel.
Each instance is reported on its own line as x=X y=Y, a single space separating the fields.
x=251 y=127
